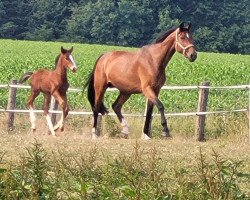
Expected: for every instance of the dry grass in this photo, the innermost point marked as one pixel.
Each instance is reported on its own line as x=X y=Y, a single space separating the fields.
x=180 y=151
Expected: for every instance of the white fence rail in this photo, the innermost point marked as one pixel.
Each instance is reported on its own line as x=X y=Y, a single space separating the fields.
x=243 y=87
x=14 y=86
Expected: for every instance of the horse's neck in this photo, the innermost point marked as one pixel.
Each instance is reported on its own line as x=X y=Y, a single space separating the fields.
x=164 y=52
x=61 y=70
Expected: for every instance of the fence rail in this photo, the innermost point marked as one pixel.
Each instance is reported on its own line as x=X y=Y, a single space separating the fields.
x=201 y=111
x=163 y=88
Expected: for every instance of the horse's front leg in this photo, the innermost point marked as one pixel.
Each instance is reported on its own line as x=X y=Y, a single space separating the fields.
x=160 y=107
x=147 y=125
x=62 y=100
x=151 y=95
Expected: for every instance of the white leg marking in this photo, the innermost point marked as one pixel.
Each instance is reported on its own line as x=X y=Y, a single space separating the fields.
x=59 y=124
x=50 y=125
x=145 y=137
x=94 y=136
x=124 y=126
x=32 y=119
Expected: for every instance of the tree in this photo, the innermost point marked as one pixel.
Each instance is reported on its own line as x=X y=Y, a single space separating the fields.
x=14 y=18
x=46 y=16
x=136 y=22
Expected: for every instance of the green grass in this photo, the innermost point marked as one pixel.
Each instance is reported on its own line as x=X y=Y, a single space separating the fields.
x=19 y=57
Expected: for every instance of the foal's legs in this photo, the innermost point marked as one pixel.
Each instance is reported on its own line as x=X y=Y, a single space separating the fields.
x=151 y=95
x=62 y=100
x=117 y=106
x=65 y=109
x=34 y=94
x=47 y=99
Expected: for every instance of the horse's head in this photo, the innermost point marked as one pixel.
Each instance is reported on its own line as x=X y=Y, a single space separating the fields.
x=184 y=42
x=67 y=59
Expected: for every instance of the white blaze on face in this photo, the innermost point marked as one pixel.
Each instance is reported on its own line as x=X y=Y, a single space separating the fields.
x=72 y=60
x=187 y=35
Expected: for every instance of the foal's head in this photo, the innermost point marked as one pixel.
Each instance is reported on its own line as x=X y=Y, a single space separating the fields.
x=184 y=42
x=67 y=59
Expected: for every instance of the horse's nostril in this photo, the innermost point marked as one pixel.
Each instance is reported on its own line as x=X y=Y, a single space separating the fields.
x=193 y=56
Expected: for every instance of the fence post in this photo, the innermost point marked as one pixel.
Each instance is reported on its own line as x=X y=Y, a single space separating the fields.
x=11 y=105
x=53 y=106
x=202 y=107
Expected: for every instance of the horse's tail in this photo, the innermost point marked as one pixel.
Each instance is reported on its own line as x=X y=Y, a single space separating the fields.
x=91 y=91
x=25 y=77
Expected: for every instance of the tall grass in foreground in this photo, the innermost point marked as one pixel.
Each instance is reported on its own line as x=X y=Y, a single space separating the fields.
x=43 y=175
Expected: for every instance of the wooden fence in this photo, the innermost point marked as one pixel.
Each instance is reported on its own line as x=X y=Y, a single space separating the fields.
x=201 y=107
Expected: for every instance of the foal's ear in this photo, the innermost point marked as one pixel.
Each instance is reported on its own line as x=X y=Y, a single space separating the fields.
x=63 y=50
x=71 y=49
x=189 y=26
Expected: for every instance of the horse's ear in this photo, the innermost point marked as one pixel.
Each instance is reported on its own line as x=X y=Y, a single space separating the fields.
x=63 y=50
x=71 y=49
x=189 y=26
x=181 y=26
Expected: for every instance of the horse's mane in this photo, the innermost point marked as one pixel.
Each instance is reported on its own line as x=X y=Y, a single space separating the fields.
x=56 y=60
x=164 y=35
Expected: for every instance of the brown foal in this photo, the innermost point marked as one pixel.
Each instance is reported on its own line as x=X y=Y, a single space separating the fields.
x=51 y=83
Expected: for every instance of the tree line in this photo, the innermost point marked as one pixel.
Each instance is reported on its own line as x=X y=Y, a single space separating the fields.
x=218 y=26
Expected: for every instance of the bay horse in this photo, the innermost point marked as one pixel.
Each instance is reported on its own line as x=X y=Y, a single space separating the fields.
x=142 y=71
x=51 y=83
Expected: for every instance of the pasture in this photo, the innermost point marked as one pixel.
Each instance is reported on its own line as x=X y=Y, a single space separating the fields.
x=72 y=166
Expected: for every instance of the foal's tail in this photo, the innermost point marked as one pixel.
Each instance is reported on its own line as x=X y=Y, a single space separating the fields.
x=25 y=77
x=91 y=92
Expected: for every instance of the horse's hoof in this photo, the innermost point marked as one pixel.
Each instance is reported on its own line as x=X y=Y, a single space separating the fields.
x=145 y=137
x=55 y=128
x=166 y=135
x=94 y=136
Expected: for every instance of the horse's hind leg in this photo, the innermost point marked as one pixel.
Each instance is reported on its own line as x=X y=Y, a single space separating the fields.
x=34 y=94
x=117 y=106
x=47 y=99
x=99 y=94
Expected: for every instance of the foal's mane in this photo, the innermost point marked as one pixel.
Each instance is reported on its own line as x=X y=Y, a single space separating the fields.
x=164 y=35
x=56 y=60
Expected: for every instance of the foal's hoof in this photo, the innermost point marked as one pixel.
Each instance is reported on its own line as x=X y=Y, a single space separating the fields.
x=58 y=127
x=125 y=136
